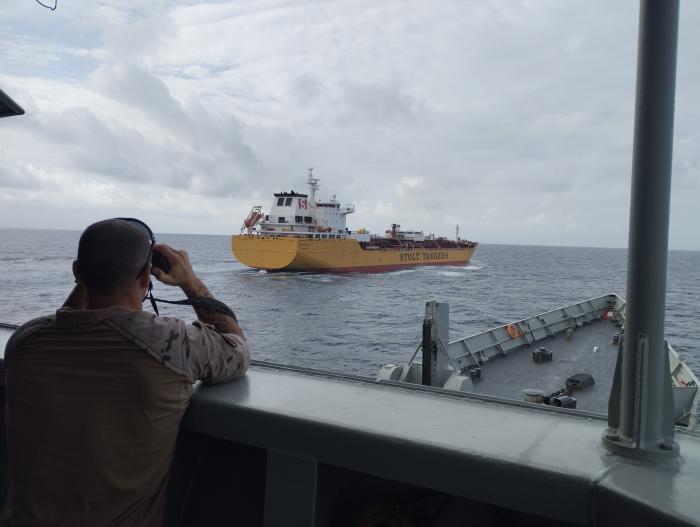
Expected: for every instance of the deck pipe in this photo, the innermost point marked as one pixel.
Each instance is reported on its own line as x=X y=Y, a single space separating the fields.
x=428 y=354
x=640 y=414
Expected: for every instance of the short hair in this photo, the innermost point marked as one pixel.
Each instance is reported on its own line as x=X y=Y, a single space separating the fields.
x=111 y=254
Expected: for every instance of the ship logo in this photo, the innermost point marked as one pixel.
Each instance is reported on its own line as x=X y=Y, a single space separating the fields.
x=303 y=203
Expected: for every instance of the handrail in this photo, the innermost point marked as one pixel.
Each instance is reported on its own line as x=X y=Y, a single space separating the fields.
x=596 y=304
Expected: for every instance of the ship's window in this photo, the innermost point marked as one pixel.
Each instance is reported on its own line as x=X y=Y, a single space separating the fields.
x=267 y=217
x=288 y=202
x=298 y=219
x=281 y=219
x=280 y=202
x=308 y=219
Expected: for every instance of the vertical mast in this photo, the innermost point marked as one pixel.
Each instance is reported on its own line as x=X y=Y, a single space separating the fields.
x=313 y=187
x=640 y=414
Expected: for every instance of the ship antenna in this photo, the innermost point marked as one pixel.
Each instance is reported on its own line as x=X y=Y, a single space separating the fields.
x=313 y=184
x=313 y=187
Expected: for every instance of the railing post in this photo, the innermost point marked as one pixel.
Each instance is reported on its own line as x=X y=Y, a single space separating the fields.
x=640 y=414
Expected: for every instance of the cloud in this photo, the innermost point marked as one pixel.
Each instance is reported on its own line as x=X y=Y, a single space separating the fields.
x=411 y=182
x=137 y=133
x=136 y=88
x=377 y=104
x=17 y=175
x=513 y=120
x=307 y=89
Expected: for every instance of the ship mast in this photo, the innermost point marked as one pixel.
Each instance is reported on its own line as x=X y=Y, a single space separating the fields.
x=312 y=182
x=640 y=414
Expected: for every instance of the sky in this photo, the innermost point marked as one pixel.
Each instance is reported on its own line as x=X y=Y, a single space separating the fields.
x=512 y=119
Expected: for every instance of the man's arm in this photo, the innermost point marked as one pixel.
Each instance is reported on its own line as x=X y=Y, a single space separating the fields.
x=224 y=352
x=181 y=274
x=221 y=321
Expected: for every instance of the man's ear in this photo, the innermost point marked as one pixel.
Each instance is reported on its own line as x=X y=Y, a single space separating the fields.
x=145 y=276
x=76 y=273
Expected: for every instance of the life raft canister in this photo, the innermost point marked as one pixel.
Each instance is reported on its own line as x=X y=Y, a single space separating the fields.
x=514 y=331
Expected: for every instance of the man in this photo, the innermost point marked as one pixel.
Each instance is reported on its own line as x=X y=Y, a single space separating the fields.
x=96 y=392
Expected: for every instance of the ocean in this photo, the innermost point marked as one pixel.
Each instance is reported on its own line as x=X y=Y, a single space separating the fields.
x=354 y=323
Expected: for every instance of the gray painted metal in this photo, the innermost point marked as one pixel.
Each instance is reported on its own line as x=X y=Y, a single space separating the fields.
x=495 y=343
x=541 y=462
x=523 y=457
x=581 y=341
x=640 y=418
x=437 y=329
x=428 y=354
x=291 y=488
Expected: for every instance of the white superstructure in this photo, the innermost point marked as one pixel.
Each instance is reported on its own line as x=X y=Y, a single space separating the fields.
x=296 y=214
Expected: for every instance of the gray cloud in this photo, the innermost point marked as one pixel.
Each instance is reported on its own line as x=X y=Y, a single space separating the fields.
x=14 y=175
x=377 y=104
x=132 y=85
x=183 y=148
x=307 y=88
x=513 y=120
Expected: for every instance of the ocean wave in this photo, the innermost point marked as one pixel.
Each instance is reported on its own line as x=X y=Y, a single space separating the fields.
x=401 y=271
x=450 y=273
x=371 y=316
x=319 y=278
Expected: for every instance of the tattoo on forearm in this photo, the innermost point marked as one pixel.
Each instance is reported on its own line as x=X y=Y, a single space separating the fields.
x=222 y=322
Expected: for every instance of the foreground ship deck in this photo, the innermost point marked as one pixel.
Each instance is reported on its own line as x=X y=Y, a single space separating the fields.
x=581 y=339
x=292 y=446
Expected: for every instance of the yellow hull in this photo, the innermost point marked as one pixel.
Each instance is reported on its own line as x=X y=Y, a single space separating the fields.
x=285 y=253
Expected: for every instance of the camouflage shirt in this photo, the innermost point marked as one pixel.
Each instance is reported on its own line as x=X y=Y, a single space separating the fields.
x=94 y=403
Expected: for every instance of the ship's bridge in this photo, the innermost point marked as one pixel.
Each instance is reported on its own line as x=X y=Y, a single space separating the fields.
x=294 y=213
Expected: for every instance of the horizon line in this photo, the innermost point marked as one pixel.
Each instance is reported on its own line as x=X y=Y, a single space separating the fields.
x=480 y=243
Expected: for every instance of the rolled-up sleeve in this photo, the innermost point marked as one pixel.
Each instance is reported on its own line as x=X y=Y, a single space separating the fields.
x=197 y=350
x=220 y=357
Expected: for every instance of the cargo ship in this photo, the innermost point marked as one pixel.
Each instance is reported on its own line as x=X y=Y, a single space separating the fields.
x=301 y=233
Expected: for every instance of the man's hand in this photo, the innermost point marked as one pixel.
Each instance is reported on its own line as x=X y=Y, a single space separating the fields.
x=181 y=273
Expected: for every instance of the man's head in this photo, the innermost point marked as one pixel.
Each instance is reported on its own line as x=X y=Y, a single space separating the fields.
x=113 y=258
